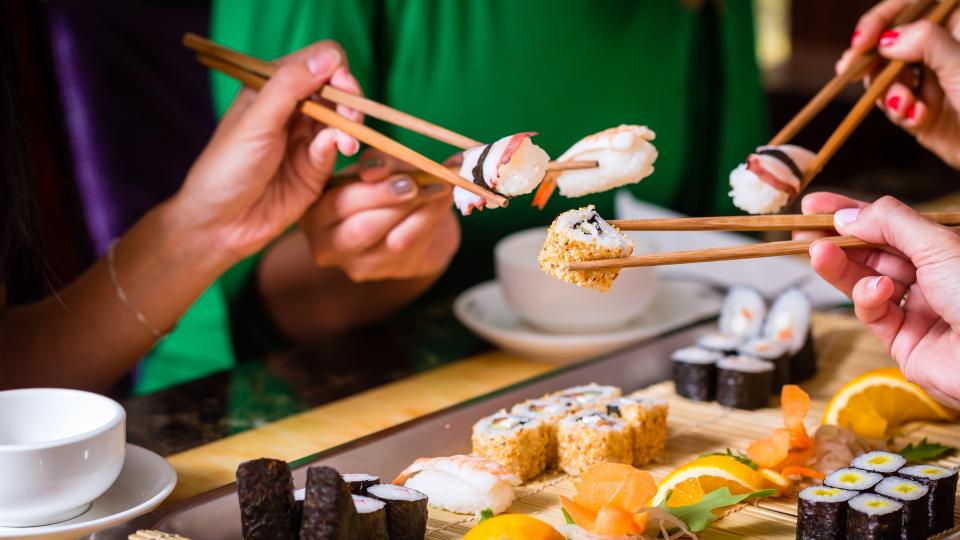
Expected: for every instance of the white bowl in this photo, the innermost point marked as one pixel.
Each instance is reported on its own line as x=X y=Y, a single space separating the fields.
x=557 y=306
x=59 y=450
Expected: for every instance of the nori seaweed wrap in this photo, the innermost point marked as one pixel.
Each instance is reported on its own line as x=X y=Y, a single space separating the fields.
x=744 y=382
x=406 y=510
x=328 y=509
x=695 y=373
x=370 y=523
x=359 y=482
x=803 y=365
x=267 y=507
x=774 y=352
x=822 y=513
x=874 y=517
x=943 y=493
x=914 y=497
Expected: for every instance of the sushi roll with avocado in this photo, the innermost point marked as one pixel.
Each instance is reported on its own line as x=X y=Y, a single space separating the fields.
x=774 y=352
x=770 y=178
x=789 y=323
x=406 y=510
x=695 y=373
x=742 y=312
x=590 y=437
x=822 y=513
x=511 y=166
x=874 y=517
x=591 y=396
x=647 y=418
x=359 y=482
x=550 y=411
x=328 y=508
x=878 y=461
x=582 y=235
x=914 y=498
x=370 y=523
x=852 y=479
x=517 y=442
x=268 y=510
x=721 y=342
x=942 y=497
x=744 y=382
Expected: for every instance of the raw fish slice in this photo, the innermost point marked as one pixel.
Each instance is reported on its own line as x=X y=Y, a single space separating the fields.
x=482 y=473
x=624 y=155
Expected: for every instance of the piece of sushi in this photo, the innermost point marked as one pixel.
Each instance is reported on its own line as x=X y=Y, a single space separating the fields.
x=406 y=510
x=624 y=155
x=359 y=482
x=852 y=479
x=517 y=442
x=770 y=178
x=789 y=323
x=328 y=509
x=647 y=418
x=590 y=396
x=550 y=411
x=744 y=382
x=874 y=517
x=268 y=510
x=695 y=373
x=461 y=484
x=590 y=437
x=774 y=352
x=879 y=461
x=726 y=344
x=510 y=166
x=914 y=498
x=582 y=235
x=822 y=513
x=742 y=312
x=943 y=493
x=370 y=523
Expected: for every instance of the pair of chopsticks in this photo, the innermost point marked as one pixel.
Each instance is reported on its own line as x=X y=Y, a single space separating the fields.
x=787 y=222
x=254 y=73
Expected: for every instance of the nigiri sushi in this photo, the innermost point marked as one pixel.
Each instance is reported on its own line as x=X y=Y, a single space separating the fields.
x=582 y=235
x=770 y=178
x=461 y=484
x=511 y=166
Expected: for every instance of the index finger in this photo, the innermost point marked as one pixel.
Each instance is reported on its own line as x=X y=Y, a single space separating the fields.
x=874 y=22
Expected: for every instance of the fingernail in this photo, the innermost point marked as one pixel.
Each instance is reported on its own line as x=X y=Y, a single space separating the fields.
x=324 y=63
x=403 y=186
x=845 y=216
x=874 y=283
x=853 y=40
x=372 y=163
x=911 y=111
x=889 y=37
x=893 y=102
x=431 y=189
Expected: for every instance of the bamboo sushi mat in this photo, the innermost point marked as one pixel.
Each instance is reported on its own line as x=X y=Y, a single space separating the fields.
x=695 y=428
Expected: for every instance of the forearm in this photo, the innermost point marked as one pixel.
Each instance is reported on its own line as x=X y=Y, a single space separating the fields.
x=85 y=336
x=305 y=300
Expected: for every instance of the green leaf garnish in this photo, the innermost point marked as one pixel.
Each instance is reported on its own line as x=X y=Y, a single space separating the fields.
x=566 y=516
x=699 y=516
x=926 y=451
x=739 y=456
x=485 y=514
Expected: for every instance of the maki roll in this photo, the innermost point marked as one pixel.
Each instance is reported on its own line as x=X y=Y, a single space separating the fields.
x=723 y=343
x=359 y=482
x=885 y=463
x=695 y=373
x=624 y=156
x=406 y=510
x=517 y=442
x=852 y=479
x=549 y=411
x=370 y=523
x=268 y=510
x=328 y=509
x=511 y=166
x=647 y=418
x=742 y=312
x=822 y=513
x=913 y=496
x=591 y=396
x=589 y=437
x=789 y=323
x=942 y=497
x=774 y=352
x=744 y=382
x=770 y=178
x=874 y=517
x=582 y=235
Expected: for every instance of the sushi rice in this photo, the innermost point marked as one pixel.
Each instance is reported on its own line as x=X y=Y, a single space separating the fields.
x=852 y=479
x=880 y=462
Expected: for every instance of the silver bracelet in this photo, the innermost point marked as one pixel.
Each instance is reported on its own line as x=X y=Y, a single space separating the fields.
x=111 y=257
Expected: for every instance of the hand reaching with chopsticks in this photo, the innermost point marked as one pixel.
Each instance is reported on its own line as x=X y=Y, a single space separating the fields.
x=931 y=109
x=906 y=291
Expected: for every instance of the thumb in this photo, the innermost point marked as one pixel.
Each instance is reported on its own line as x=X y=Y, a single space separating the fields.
x=923 y=41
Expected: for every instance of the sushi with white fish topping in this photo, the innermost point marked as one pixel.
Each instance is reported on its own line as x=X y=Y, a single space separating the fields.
x=789 y=322
x=582 y=235
x=511 y=166
x=624 y=155
x=770 y=178
x=874 y=517
x=461 y=484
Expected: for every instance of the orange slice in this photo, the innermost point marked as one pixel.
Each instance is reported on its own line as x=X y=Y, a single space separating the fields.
x=686 y=493
x=713 y=472
x=774 y=480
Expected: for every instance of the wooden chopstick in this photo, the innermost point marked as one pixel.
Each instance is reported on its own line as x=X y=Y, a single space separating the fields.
x=840 y=81
x=361 y=132
x=865 y=104
x=147 y=534
x=424 y=179
x=773 y=222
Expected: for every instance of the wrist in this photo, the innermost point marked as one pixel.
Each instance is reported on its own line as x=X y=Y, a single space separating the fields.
x=183 y=239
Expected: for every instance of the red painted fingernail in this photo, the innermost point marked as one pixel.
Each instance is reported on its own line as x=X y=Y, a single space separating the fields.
x=888 y=38
x=853 y=40
x=893 y=102
x=911 y=111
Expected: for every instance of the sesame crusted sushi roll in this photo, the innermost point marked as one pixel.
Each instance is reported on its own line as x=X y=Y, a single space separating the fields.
x=511 y=166
x=517 y=442
x=724 y=343
x=582 y=235
x=742 y=312
x=943 y=493
x=744 y=382
x=647 y=418
x=789 y=323
x=874 y=517
x=852 y=479
x=590 y=396
x=695 y=373
x=550 y=411
x=770 y=178
x=914 y=498
x=774 y=352
x=885 y=463
x=624 y=155
x=822 y=513
x=589 y=437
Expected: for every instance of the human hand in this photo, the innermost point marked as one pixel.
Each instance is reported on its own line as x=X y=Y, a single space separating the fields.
x=906 y=291
x=267 y=163
x=385 y=226
x=930 y=112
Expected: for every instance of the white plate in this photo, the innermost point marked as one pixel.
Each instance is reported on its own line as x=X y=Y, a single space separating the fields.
x=144 y=482
x=484 y=309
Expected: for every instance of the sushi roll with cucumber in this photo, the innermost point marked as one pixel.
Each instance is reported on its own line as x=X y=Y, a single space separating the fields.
x=695 y=373
x=774 y=352
x=510 y=166
x=370 y=523
x=742 y=312
x=328 y=509
x=359 y=482
x=942 y=497
x=721 y=342
x=268 y=510
x=879 y=461
x=822 y=513
x=770 y=178
x=517 y=442
x=789 y=323
x=590 y=437
x=582 y=235
x=874 y=517
x=744 y=382
x=590 y=396
x=647 y=418
x=914 y=498
x=550 y=411
x=852 y=479
x=406 y=510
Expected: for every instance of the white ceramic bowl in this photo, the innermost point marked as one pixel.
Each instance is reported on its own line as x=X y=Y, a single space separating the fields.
x=59 y=450
x=557 y=306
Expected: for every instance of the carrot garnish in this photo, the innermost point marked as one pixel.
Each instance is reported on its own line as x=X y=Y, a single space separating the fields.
x=802 y=472
x=545 y=190
x=790 y=445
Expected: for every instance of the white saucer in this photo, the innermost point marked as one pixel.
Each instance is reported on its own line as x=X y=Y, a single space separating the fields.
x=144 y=482
x=485 y=310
